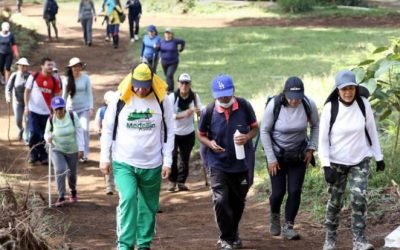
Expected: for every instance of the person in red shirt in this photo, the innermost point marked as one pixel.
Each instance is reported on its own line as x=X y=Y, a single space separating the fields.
x=40 y=88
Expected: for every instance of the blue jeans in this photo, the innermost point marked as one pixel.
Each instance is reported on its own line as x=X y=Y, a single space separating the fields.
x=87 y=24
x=65 y=165
x=37 y=125
x=18 y=109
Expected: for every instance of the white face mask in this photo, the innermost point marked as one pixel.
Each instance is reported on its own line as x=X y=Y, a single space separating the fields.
x=225 y=105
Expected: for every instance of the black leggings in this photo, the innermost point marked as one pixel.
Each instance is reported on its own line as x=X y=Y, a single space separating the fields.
x=169 y=71
x=183 y=146
x=291 y=174
x=133 y=25
x=5 y=62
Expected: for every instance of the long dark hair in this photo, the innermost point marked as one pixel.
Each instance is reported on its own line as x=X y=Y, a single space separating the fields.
x=71 y=87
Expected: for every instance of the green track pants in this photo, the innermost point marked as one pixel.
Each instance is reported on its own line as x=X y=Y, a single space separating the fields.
x=139 y=192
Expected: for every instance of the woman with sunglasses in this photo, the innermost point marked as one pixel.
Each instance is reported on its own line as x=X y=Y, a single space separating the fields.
x=186 y=104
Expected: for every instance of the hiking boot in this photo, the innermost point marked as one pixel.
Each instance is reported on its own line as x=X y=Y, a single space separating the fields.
x=361 y=243
x=182 y=187
x=237 y=243
x=171 y=186
x=289 y=233
x=275 y=226
x=60 y=202
x=225 y=245
x=330 y=241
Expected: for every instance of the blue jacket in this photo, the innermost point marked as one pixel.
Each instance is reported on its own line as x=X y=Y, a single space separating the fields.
x=150 y=46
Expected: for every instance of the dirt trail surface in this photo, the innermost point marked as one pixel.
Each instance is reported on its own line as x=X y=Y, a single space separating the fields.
x=187 y=221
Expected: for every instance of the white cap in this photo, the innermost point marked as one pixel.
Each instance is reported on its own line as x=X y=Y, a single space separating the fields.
x=108 y=96
x=55 y=69
x=185 y=77
x=22 y=61
x=168 y=30
x=74 y=61
x=5 y=26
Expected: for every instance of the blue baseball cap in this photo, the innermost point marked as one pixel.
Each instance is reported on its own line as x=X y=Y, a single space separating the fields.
x=152 y=28
x=222 y=86
x=345 y=78
x=57 y=102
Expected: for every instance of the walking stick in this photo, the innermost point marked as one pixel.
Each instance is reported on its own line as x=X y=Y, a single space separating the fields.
x=9 y=122
x=49 y=181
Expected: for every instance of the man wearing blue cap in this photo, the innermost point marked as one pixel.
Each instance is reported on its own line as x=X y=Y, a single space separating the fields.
x=229 y=175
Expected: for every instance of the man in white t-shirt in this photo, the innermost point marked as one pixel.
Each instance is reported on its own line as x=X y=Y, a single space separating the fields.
x=138 y=129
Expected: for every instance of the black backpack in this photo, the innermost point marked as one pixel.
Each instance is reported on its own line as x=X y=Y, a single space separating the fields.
x=51 y=117
x=278 y=102
x=210 y=107
x=333 y=98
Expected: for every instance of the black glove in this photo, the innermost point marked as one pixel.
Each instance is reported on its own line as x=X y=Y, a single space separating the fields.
x=330 y=175
x=380 y=166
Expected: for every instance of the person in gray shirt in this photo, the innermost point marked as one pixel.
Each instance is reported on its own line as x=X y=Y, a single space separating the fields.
x=288 y=150
x=86 y=15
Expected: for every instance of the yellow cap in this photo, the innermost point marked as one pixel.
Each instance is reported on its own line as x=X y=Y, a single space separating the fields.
x=142 y=76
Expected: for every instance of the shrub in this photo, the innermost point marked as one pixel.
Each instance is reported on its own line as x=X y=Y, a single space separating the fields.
x=296 y=6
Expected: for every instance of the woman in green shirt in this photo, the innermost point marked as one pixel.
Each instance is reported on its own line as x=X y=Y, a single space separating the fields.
x=64 y=133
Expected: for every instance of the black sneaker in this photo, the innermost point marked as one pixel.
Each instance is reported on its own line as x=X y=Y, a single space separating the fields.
x=144 y=248
x=44 y=162
x=182 y=187
x=237 y=243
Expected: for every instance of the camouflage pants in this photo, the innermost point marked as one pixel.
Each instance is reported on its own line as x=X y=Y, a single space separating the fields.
x=358 y=182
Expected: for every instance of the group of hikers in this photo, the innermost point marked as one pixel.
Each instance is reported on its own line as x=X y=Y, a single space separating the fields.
x=144 y=128
x=147 y=124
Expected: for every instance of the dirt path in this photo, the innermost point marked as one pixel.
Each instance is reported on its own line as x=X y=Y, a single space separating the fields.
x=187 y=220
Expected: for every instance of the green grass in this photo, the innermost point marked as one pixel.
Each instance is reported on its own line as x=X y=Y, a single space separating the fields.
x=260 y=59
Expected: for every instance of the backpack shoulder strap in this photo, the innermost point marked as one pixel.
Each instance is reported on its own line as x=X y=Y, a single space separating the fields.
x=208 y=115
x=35 y=76
x=71 y=115
x=334 y=112
x=120 y=105
x=51 y=122
x=162 y=114
x=361 y=104
x=307 y=107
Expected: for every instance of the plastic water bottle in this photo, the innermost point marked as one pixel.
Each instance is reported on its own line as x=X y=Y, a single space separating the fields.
x=239 y=149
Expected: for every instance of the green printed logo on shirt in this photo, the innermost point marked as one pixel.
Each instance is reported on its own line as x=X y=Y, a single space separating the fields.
x=141 y=120
x=136 y=115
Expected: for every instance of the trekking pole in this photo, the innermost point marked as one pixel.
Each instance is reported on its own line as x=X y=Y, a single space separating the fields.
x=49 y=181
x=9 y=122
x=153 y=63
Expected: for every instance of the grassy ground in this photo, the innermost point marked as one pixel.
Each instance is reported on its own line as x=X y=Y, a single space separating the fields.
x=261 y=58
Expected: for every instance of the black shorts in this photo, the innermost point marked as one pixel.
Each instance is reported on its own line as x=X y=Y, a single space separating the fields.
x=5 y=61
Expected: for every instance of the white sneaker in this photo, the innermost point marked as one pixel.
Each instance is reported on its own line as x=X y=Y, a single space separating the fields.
x=136 y=37
x=132 y=40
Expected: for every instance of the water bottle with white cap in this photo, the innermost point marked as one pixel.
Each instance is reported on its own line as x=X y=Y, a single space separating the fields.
x=239 y=149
